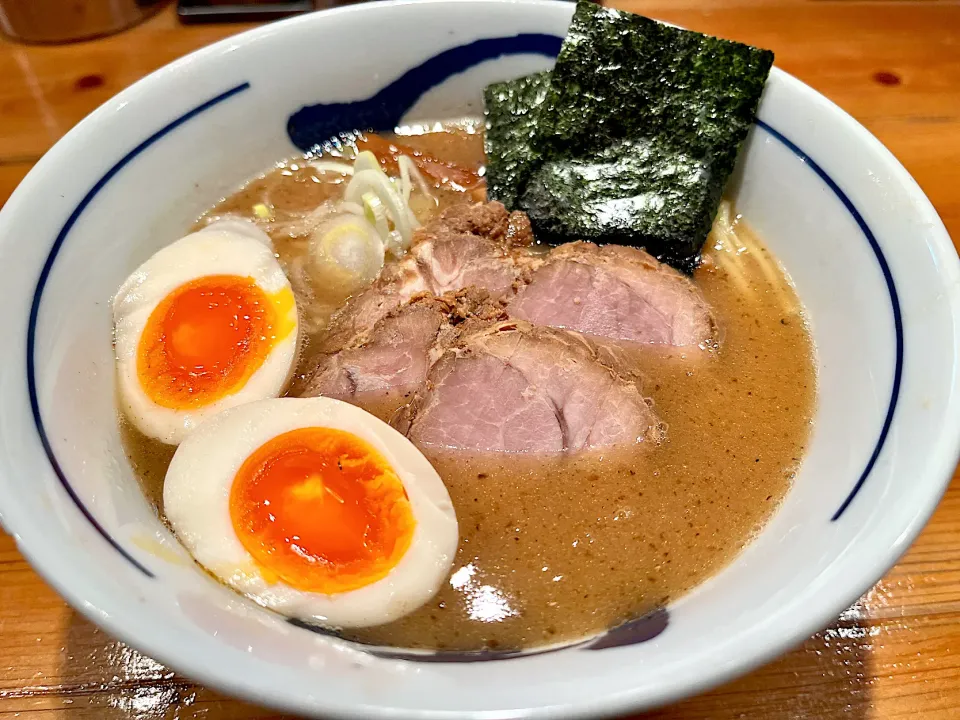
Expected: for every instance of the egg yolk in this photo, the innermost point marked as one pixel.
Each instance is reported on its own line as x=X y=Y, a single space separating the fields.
x=321 y=510
x=205 y=339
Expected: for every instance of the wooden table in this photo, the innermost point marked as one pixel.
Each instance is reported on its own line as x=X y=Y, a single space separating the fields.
x=896 y=653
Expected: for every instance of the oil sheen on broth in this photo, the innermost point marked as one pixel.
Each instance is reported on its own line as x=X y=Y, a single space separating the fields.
x=553 y=549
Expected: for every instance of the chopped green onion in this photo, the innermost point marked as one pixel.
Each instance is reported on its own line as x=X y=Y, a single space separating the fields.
x=369 y=178
x=375 y=213
x=348 y=249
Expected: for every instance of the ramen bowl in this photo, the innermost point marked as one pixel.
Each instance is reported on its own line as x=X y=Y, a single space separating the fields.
x=870 y=259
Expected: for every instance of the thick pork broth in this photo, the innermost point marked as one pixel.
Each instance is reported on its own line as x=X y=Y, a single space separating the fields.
x=556 y=547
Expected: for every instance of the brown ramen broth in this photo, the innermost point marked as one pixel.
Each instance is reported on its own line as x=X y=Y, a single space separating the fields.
x=554 y=548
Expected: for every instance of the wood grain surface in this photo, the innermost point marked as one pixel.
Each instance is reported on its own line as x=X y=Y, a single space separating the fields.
x=895 y=66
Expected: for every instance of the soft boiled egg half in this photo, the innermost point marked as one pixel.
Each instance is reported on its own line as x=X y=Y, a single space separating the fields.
x=313 y=508
x=207 y=323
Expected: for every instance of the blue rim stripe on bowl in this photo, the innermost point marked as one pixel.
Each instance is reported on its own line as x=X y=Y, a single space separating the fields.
x=314 y=125
x=894 y=305
x=38 y=295
x=424 y=77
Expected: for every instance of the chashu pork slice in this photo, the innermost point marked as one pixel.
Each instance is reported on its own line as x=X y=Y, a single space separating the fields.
x=615 y=292
x=516 y=387
x=391 y=359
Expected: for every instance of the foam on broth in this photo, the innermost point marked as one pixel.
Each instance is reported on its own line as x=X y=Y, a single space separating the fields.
x=553 y=549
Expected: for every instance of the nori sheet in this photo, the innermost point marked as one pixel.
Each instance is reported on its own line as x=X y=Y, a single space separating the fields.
x=635 y=138
x=511 y=110
x=641 y=192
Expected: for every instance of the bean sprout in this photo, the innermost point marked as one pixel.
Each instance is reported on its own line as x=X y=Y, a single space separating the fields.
x=325 y=166
x=408 y=170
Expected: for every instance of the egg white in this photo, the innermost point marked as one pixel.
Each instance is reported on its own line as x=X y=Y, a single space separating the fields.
x=196 y=499
x=219 y=249
x=240 y=226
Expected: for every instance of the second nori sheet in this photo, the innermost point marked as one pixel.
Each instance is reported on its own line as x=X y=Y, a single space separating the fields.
x=638 y=131
x=511 y=109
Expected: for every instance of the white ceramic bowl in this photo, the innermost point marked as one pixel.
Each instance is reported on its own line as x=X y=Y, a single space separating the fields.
x=870 y=258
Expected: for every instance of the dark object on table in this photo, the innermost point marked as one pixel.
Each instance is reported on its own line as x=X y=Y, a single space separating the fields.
x=209 y=11
x=57 y=21
x=637 y=131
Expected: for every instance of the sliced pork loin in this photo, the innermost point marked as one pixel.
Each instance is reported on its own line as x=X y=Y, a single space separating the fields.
x=516 y=387
x=479 y=245
x=615 y=292
x=391 y=359
x=520 y=385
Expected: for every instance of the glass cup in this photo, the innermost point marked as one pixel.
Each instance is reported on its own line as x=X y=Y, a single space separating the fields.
x=53 y=21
